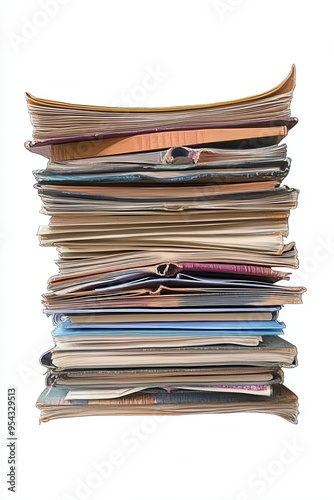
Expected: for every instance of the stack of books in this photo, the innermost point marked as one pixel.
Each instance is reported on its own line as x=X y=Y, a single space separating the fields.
x=170 y=225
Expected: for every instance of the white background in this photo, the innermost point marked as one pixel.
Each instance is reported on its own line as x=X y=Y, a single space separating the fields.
x=199 y=51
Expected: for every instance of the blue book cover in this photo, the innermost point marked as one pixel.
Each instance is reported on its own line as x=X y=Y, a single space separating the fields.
x=201 y=328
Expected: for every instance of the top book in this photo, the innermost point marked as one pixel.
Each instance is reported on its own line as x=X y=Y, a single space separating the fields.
x=66 y=122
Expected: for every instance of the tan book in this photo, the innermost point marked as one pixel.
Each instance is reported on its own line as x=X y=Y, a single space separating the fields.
x=162 y=192
x=83 y=319
x=60 y=119
x=282 y=402
x=273 y=350
x=172 y=376
x=120 y=342
x=71 y=220
x=270 y=243
x=80 y=259
x=268 y=200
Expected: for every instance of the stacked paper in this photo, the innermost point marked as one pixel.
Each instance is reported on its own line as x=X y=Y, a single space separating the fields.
x=170 y=226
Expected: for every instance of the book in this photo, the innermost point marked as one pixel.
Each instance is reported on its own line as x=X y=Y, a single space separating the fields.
x=116 y=392
x=71 y=283
x=130 y=339
x=221 y=158
x=277 y=198
x=218 y=137
x=115 y=315
x=171 y=377
x=135 y=175
x=162 y=333
x=269 y=240
x=272 y=350
x=180 y=292
x=176 y=327
x=150 y=317
x=277 y=172
x=79 y=258
x=52 y=119
x=282 y=402
x=148 y=193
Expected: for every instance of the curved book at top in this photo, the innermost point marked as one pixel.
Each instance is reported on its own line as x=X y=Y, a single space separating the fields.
x=59 y=122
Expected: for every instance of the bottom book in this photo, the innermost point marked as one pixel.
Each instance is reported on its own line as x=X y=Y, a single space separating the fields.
x=55 y=402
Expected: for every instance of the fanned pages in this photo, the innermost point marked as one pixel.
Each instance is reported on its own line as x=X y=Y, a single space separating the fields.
x=54 y=118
